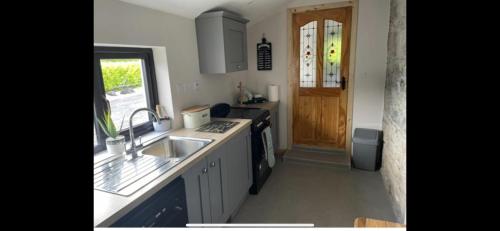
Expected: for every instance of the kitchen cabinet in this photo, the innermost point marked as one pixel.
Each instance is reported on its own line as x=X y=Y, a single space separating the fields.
x=166 y=208
x=239 y=160
x=206 y=189
x=222 y=42
x=216 y=185
x=197 y=193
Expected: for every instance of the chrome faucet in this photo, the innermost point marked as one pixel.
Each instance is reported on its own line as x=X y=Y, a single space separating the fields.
x=133 y=147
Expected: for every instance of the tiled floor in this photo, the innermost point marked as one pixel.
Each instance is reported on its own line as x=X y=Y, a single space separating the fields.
x=299 y=192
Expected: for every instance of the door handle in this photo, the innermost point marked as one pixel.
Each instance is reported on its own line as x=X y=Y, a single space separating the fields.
x=342 y=83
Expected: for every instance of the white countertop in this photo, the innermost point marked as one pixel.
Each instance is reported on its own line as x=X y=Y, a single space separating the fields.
x=109 y=207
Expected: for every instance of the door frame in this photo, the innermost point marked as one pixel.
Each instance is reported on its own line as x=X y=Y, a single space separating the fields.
x=352 y=59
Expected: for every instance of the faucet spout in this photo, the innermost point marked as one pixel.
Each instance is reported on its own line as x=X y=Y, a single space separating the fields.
x=133 y=147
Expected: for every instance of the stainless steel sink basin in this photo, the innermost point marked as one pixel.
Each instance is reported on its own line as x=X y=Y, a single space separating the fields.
x=125 y=176
x=175 y=148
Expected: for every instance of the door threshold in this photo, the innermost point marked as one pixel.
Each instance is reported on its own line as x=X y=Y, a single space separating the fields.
x=323 y=157
x=325 y=150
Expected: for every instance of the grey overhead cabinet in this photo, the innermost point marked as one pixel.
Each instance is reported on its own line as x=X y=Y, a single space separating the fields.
x=222 y=42
x=217 y=185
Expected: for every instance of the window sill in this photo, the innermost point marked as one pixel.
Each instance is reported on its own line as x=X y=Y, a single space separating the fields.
x=146 y=138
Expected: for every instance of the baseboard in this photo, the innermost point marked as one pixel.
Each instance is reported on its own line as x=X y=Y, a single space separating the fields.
x=319 y=163
x=235 y=212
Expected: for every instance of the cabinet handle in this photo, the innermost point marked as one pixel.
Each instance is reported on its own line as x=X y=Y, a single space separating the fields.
x=178 y=208
x=259 y=124
x=205 y=170
x=212 y=164
x=158 y=215
x=163 y=210
x=268 y=117
x=238 y=66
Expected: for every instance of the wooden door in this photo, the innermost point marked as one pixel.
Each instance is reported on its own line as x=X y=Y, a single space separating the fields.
x=321 y=41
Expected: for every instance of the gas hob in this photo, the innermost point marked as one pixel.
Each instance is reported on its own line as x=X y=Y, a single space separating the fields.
x=217 y=126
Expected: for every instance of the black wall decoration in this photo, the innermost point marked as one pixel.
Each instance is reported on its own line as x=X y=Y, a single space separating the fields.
x=264 y=57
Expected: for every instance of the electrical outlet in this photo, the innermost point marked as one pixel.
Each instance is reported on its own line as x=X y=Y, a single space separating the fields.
x=196 y=85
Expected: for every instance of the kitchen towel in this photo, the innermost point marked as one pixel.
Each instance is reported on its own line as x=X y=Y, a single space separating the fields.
x=267 y=139
x=273 y=93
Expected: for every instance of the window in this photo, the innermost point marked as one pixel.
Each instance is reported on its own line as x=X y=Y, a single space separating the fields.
x=332 y=53
x=308 y=54
x=124 y=80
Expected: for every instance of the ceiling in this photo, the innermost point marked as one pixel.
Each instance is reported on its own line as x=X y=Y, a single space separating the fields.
x=253 y=10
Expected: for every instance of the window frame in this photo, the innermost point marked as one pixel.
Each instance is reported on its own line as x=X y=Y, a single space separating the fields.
x=149 y=82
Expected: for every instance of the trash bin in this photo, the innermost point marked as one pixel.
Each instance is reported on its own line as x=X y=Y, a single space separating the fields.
x=367 y=149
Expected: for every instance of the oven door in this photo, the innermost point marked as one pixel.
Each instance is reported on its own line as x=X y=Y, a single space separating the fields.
x=258 y=147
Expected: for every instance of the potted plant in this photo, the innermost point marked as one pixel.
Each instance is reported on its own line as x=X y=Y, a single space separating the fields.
x=115 y=143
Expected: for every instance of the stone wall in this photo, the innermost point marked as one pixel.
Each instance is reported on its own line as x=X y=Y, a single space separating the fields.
x=394 y=119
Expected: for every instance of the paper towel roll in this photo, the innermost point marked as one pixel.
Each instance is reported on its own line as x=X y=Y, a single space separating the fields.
x=273 y=93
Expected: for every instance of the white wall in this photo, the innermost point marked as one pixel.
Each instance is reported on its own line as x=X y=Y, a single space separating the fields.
x=371 y=63
x=370 y=68
x=259 y=80
x=116 y=22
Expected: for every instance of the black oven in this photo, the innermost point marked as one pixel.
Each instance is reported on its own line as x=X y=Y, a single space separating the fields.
x=260 y=121
x=261 y=169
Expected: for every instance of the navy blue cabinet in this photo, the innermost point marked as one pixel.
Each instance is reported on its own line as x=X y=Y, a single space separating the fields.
x=166 y=208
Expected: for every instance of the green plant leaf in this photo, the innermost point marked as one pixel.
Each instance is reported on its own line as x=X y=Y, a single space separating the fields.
x=111 y=125
x=107 y=125
x=103 y=127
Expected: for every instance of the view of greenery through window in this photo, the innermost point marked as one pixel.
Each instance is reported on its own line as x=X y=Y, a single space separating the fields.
x=123 y=83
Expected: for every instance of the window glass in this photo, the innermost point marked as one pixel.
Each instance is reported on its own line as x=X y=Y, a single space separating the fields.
x=124 y=85
x=308 y=54
x=332 y=51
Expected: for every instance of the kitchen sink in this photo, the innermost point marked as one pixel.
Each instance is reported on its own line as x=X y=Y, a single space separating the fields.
x=175 y=148
x=125 y=176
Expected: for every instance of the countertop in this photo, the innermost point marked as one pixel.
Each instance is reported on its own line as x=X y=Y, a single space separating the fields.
x=369 y=222
x=266 y=105
x=109 y=207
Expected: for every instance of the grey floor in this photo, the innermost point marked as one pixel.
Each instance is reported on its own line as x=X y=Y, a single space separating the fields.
x=301 y=192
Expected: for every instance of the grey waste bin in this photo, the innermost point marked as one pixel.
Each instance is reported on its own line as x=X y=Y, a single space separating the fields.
x=367 y=149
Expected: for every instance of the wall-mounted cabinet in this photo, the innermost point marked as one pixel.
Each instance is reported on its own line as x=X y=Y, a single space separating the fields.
x=222 y=42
